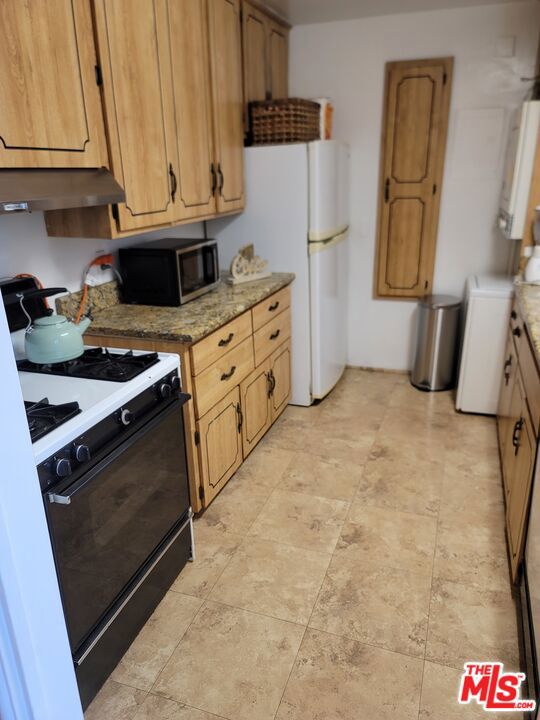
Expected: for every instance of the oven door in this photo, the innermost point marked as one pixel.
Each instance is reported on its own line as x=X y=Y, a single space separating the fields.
x=198 y=270
x=106 y=523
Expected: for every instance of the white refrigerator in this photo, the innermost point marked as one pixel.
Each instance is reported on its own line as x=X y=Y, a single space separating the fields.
x=297 y=217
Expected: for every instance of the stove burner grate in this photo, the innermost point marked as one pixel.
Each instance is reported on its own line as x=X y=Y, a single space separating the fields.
x=43 y=417
x=97 y=364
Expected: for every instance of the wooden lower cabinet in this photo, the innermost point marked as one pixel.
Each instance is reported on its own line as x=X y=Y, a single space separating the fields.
x=280 y=369
x=505 y=395
x=220 y=444
x=517 y=419
x=255 y=397
x=520 y=488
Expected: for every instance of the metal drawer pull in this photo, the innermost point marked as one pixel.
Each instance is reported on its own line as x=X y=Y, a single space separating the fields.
x=275 y=335
x=515 y=435
x=516 y=332
x=507 y=366
x=228 y=376
x=513 y=315
x=222 y=343
x=174 y=182
x=221 y=179
x=119 y=609
x=240 y=416
x=273 y=306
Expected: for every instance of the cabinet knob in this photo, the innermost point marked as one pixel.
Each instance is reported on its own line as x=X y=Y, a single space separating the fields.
x=516 y=332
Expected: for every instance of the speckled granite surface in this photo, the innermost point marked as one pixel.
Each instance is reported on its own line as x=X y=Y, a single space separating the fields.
x=529 y=301
x=99 y=298
x=187 y=323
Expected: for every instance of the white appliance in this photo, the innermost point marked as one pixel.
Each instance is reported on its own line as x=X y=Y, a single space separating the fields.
x=297 y=216
x=487 y=310
x=518 y=169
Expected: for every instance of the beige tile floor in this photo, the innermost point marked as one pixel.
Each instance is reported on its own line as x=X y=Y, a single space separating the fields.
x=346 y=572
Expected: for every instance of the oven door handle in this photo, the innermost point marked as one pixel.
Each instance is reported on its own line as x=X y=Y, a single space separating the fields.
x=64 y=498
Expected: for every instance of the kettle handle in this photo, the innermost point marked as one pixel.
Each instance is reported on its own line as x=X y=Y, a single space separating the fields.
x=45 y=292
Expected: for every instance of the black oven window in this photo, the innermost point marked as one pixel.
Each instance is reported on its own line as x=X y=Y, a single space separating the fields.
x=197 y=269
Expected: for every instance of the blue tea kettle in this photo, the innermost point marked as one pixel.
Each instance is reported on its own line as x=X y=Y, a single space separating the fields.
x=53 y=338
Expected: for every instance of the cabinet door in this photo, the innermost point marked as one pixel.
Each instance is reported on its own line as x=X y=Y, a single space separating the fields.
x=50 y=109
x=256 y=406
x=226 y=58
x=220 y=448
x=254 y=38
x=278 y=52
x=132 y=39
x=417 y=97
x=190 y=72
x=509 y=457
x=505 y=394
x=280 y=367
x=518 y=501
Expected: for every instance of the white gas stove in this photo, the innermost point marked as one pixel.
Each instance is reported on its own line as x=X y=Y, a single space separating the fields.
x=97 y=398
x=108 y=440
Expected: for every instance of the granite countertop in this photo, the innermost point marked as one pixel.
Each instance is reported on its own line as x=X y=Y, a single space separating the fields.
x=529 y=302
x=188 y=323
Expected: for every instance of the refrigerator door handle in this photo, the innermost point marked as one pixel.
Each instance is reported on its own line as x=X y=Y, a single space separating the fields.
x=315 y=247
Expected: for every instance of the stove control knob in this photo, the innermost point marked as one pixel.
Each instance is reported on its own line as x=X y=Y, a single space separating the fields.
x=81 y=453
x=165 y=390
x=62 y=467
x=175 y=383
x=126 y=417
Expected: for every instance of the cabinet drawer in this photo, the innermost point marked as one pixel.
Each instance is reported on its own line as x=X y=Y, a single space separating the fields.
x=531 y=380
x=222 y=376
x=219 y=343
x=269 y=308
x=271 y=336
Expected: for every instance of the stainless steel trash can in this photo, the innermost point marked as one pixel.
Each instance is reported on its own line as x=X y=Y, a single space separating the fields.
x=436 y=343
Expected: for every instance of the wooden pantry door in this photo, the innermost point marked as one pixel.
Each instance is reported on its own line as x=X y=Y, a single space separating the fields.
x=416 y=105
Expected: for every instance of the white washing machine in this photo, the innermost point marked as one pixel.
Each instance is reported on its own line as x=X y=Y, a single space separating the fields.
x=487 y=310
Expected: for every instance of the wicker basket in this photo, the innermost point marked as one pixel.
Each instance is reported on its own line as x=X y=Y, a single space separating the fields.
x=284 y=121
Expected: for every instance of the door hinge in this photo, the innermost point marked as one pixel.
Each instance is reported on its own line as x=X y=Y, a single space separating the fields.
x=99 y=75
x=201 y=492
x=426 y=285
x=444 y=78
x=114 y=210
x=197 y=437
x=434 y=188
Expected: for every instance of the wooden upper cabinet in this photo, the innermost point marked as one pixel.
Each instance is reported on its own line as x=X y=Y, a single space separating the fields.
x=278 y=50
x=190 y=71
x=266 y=56
x=415 y=125
x=254 y=38
x=132 y=41
x=226 y=61
x=50 y=111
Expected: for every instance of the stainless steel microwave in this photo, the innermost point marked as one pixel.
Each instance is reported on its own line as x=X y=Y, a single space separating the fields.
x=169 y=271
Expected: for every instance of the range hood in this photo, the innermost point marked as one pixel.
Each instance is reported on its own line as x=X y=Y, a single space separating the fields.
x=52 y=189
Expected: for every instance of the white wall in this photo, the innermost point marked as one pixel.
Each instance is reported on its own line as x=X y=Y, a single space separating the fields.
x=345 y=61
x=26 y=248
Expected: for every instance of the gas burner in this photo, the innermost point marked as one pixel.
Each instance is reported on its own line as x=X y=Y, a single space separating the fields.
x=97 y=364
x=43 y=417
